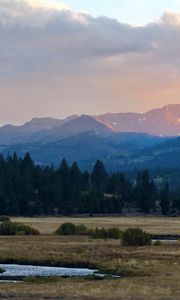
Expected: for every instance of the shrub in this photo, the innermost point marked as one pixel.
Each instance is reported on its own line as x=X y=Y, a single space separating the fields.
x=66 y=229
x=114 y=233
x=157 y=243
x=72 y=229
x=110 y=233
x=81 y=229
x=100 y=233
x=90 y=232
x=135 y=237
x=4 y=219
x=14 y=228
x=20 y=233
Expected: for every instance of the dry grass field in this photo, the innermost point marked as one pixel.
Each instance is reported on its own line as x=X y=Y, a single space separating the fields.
x=152 y=272
x=80 y=289
x=154 y=225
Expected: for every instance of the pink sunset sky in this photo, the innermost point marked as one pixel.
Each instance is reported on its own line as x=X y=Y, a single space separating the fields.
x=56 y=61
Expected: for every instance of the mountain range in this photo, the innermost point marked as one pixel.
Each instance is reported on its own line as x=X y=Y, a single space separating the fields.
x=163 y=121
x=122 y=140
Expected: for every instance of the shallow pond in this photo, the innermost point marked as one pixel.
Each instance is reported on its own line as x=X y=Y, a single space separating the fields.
x=13 y=271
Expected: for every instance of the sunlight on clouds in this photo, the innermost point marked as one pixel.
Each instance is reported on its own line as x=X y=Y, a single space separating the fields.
x=46 y=4
x=59 y=6
x=68 y=62
x=171 y=17
x=38 y=13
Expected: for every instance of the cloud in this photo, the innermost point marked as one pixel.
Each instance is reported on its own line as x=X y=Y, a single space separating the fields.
x=30 y=13
x=97 y=62
x=171 y=17
x=45 y=4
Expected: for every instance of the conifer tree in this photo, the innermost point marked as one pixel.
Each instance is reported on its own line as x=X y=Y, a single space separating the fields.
x=99 y=177
x=165 y=200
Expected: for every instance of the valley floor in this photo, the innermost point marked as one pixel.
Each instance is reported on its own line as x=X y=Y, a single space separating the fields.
x=150 y=273
x=154 y=225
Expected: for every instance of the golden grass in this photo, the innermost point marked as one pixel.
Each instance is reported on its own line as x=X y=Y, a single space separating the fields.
x=154 y=271
x=80 y=289
x=154 y=225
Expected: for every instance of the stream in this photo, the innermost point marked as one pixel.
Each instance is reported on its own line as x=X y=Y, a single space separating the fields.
x=17 y=272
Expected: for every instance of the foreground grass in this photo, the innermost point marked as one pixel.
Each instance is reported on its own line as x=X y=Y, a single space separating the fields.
x=153 y=271
x=154 y=225
x=81 y=289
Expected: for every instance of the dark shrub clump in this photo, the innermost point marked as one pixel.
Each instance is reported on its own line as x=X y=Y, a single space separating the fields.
x=14 y=228
x=66 y=229
x=135 y=237
x=110 y=233
x=114 y=233
x=72 y=229
x=98 y=233
x=4 y=219
x=157 y=243
x=81 y=230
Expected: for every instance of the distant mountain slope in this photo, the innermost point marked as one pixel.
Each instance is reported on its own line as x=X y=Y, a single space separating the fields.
x=165 y=155
x=85 y=147
x=79 y=147
x=74 y=127
x=23 y=133
x=163 y=121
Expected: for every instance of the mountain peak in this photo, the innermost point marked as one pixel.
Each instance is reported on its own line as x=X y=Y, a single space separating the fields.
x=83 y=123
x=164 y=121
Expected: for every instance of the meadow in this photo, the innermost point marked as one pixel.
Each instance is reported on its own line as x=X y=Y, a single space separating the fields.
x=154 y=225
x=150 y=272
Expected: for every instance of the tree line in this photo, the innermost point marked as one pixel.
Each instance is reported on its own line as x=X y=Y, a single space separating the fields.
x=27 y=189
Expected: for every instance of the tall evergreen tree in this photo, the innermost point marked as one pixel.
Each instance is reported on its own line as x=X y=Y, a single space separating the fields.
x=165 y=200
x=144 y=192
x=67 y=195
x=28 y=189
x=99 y=177
x=76 y=185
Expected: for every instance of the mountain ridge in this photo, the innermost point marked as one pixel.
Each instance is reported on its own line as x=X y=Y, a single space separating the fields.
x=87 y=138
x=164 y=121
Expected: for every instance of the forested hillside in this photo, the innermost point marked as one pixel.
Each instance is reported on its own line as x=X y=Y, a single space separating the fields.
x=27 y=189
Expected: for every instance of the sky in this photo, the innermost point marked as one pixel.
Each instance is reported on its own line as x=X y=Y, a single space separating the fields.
x=87 y=57
x=128 y=11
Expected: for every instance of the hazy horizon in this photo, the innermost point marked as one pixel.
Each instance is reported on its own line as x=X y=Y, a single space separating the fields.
x=80 y=114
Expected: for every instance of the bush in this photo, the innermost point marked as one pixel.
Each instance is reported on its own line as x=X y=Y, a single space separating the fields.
x=114 y=233
x=157 y=243
x=98 y=233
x=4 y=219
x=14 y=228
x=81 y=230
x=72 y=229
x=135 y=237
x=90 y=232
x=66 y=229
x=110 y=233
